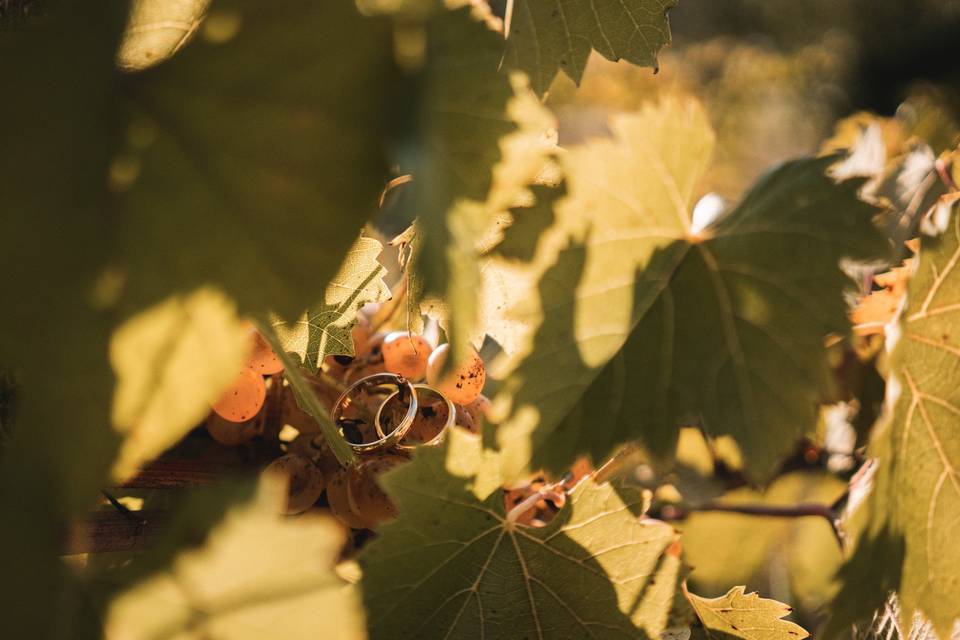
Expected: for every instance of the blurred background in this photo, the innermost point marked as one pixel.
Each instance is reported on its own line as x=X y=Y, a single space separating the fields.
x=776 y=75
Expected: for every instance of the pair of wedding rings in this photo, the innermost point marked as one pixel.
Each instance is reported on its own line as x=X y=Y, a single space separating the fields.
x=378 y=412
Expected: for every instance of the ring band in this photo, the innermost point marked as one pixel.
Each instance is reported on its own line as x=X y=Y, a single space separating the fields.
x=384 y=441
x=451 y=420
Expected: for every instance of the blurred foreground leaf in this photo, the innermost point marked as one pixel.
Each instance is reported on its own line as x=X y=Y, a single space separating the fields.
x=258 y=575
x=172 y=362
x=255 y=155
x=156 y=29
x=54 y=242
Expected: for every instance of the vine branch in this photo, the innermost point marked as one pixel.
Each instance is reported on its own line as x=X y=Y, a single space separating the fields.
x=828 y=512
x=305 y=394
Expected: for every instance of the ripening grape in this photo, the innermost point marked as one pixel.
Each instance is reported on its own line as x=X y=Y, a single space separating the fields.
x=262 y=358
x=314 y=448
x=406 y=354
x=230 y=433
x=355 y=373
x=243 y=399
x=374 y=352
x=430 y=420
x=463 y=384
x=371 y=505
x=291 y=413
x=465 y=420
x=304 y=480
x=470 y=416
x=339 y=498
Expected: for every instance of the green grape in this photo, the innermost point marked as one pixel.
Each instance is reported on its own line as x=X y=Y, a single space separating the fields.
x=262 y=359
x=371 y=505
x=470 y=416
x=463 y=384
x=312 y=447
x=406 y=354
x=338 y=496
x=230 y=433
x=305 y=482
x=243 y=399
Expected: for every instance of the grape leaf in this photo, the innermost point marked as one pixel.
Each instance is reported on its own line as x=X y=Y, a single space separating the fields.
x=172 y=362
x=324 y=329
x=747 y=616
x=912 y=517
x=255 y=155
x=256 y=576
x=156 y=29
x=647 y=323
x=545 y=36
x=453 y=564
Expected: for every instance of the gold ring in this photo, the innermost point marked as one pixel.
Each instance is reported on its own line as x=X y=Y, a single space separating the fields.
x=403 y=386
x=437 y=439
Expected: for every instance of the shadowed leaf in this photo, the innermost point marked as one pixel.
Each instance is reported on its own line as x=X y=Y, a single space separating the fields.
x=453 y=565
x=546 y=36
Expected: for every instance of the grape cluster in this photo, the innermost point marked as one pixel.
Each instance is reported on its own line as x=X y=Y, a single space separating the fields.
x=313 y=477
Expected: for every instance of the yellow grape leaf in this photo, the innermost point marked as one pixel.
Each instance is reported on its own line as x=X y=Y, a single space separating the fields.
x=746 y=616
x=257 y=576
x=172 y=362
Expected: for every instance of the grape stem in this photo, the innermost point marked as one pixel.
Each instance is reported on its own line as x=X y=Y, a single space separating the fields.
x=553 y=492
x=305 y=395
x=830 y=513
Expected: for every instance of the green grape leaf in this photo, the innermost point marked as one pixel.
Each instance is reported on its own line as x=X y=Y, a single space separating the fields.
x=255 y=155
x=648 y=319
x=256 y=576
x=747 y=616
x=728 y=548
x=454 y=565
x=172 y=362
x=545 y=37
x=325 y=328
x=156 y=29
x=912 y=517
